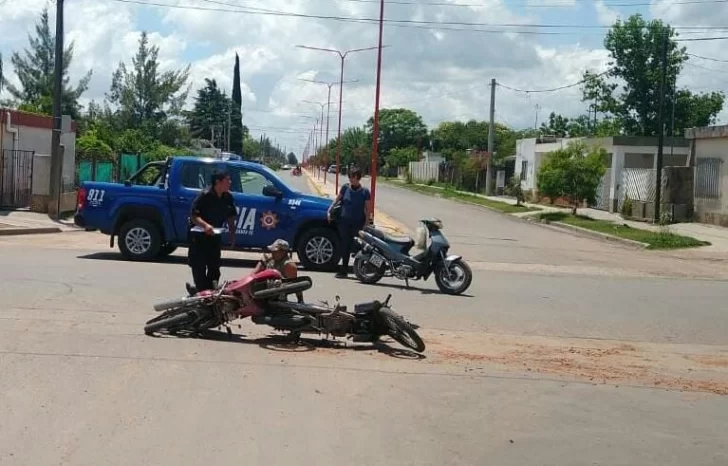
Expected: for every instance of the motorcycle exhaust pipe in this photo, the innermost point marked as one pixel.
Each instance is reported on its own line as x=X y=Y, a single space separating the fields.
x=175 y=303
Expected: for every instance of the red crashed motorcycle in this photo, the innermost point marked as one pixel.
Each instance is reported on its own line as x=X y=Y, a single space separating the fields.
x=262 y=297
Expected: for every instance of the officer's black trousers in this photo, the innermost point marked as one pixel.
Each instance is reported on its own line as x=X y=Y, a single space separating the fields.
x=204 y=256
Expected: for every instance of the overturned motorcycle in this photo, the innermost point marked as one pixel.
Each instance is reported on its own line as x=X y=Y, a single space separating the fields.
x=262 y=297
x=381 y=255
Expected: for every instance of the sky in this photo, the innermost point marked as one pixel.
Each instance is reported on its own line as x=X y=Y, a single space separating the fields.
x=439 y=58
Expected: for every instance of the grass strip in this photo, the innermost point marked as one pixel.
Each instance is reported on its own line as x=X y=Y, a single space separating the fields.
x=654 y=239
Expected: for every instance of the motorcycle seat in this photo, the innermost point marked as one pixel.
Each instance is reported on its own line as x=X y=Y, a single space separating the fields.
x=399 y=240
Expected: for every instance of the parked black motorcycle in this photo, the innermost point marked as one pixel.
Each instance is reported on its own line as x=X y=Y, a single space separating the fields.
x=381 y=255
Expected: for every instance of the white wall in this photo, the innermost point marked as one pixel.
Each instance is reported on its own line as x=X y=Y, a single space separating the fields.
x=525 y=152
x=39 y=140
x=705 y=208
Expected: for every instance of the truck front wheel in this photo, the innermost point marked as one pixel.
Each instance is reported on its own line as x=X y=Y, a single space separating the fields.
x=139 y=240
x=318 y=249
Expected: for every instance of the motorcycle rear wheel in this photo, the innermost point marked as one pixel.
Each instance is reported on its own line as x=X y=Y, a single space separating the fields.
x=366 y=272
x=170 y=322
x=400 y=330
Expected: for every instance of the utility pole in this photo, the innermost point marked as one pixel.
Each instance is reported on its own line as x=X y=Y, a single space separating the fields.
x=491 y=141
x=375 y=129
x=56 y=152
x=661 y=126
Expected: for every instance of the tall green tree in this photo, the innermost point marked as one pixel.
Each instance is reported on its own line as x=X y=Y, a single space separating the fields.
x=452 y=137
x=635 y=47
x=292 y=159
x=398 y=127
x=209 y=116
x=35 y=69
x=143 y=96
x=236 y=117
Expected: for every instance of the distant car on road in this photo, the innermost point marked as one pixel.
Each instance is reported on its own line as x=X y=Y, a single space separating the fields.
x=286 y=167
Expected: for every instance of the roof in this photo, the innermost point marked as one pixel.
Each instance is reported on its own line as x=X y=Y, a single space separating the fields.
x=32 y=120
x=707 y=132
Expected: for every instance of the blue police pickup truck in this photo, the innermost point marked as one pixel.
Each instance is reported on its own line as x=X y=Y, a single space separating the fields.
x=149 y=212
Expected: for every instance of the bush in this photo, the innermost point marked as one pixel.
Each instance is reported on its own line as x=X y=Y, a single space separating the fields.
x=514 y=189
x=627 y=207
x=430 y=182
x=572 y=173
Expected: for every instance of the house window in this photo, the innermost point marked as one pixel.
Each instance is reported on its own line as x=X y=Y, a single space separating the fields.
x=524 y=169
x=707 y=178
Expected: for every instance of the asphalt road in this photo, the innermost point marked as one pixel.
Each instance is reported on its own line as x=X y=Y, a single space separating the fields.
x=81 y=385
x=532 y=280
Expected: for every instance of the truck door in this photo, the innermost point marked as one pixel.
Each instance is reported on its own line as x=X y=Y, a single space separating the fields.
x=261 y=219
x=191 y=178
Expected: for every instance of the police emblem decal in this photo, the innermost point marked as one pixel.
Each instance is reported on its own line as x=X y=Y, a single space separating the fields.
x=268 y=220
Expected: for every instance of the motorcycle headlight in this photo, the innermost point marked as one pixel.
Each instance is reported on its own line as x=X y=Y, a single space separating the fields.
x=438 y=223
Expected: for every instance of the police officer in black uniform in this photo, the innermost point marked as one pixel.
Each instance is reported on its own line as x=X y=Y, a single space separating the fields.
x=211 y=208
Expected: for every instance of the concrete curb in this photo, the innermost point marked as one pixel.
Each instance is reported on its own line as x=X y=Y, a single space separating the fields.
x=28 y=231
x=566 y=228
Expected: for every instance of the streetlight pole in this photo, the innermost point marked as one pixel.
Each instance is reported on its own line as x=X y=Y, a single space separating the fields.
x=328 y=118
x=321 y=134
x=375 y=131
x=342 y=56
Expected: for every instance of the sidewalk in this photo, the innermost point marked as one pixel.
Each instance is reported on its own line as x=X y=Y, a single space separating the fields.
x=715 y=235
x=24 y=222
x=382 y=220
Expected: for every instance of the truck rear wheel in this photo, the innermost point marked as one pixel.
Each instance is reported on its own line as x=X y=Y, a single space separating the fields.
x=139 y=240
x=318 y=249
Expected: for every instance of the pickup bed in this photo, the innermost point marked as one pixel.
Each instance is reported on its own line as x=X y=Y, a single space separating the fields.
x=149 y=213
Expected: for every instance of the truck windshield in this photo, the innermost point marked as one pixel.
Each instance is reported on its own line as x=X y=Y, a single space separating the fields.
x=149 y=175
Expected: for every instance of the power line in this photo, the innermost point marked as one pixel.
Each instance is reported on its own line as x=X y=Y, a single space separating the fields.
x=266 y=12
x=553 y=89
x=707 y=58
x=529 y=5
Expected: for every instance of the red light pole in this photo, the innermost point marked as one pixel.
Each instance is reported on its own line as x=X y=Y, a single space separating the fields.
x=341 y=93
x=375 y=130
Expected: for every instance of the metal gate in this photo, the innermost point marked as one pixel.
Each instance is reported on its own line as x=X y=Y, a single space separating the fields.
x=16 y=178
x=604 y=191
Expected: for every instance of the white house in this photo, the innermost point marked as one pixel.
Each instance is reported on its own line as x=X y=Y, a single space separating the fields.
x=630 y=164
x=710 y=148
x=25 y=147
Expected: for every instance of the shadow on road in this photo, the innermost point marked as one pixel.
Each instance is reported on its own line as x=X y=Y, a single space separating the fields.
x=181 y=260
x=304 y=345
x=412 y=288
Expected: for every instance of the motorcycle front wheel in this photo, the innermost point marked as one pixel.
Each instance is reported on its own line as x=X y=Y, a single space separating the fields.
x=400 y=330
x=366 y=272
x=454 y=280
x=169 y=322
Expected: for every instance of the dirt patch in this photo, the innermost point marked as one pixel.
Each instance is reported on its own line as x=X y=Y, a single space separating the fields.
x=598 y=361
x=716 y=361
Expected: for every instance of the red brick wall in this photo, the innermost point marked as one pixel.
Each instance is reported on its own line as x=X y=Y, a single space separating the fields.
x=32 y=120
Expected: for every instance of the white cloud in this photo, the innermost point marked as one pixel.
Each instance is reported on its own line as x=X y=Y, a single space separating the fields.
x=605 y=15
x=442 y=74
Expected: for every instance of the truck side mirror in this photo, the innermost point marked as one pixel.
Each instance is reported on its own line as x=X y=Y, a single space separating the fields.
x=272 y=191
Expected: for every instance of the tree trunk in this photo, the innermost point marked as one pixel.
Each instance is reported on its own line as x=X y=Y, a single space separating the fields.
x=574 y=207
